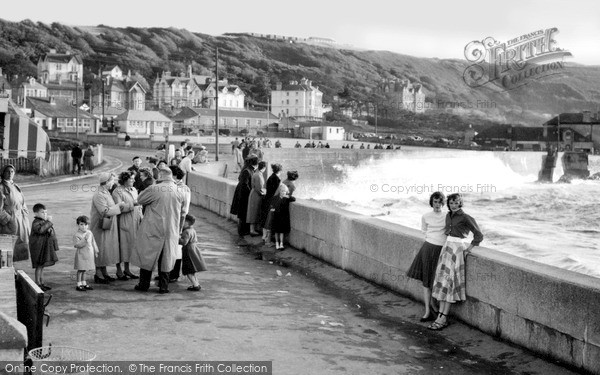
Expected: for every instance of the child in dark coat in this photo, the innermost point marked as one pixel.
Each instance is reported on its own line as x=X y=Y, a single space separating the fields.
x=191 y=258
x=42 y=244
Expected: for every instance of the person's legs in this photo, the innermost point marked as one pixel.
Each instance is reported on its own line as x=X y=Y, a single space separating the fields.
x=129 y=273
x=38 y=275
x=119 y=271
x=176 y=272
x=163 y=277
x=144 y=283
x=426 y=299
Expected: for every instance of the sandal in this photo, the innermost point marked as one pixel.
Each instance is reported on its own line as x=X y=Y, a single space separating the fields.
x=435 y=326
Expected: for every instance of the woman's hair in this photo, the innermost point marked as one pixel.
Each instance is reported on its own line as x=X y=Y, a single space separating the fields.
x=262 y=165
x=252 y=159
x=276 y=168
x=124 y=176
x=437 y=195
x=455 y=197
x=292 y=175
x=83 y=219
x=178 y=173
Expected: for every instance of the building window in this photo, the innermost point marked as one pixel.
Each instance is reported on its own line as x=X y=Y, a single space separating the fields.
x=296 y=101
x=235 y=122
x=287 y=101
x=58 y=67
x=259 y=122
x=247 y=122
x=297 y=93
x=287 y=93
x=282 y=102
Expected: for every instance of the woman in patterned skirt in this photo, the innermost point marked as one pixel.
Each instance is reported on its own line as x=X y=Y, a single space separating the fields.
x=433 y=225
x=449 y=284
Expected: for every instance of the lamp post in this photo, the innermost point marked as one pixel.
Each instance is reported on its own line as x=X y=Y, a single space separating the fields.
x=77 y=106
x=217 y=106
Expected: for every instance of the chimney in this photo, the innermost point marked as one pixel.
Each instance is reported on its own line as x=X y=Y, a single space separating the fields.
x=278 y=86
x=181 y=74
x=167 y=74
x=587 y=116
x=189 y=71
x=52 y=50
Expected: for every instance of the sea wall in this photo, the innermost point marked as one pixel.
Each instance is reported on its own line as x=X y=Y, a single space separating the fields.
x=550 y=311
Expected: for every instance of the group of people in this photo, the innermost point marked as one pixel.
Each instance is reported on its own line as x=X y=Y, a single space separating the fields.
x=259 y=143
x=88 y=159
x=262 y=205
x=312 y=145
x=440 y=263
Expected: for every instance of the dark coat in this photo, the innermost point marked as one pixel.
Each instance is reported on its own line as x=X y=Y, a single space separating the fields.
x=272 y=184
x=239 y=205
x=76 y=153
x=43 y=244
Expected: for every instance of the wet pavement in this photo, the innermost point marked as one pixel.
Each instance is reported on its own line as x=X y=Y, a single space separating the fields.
x=313 y=319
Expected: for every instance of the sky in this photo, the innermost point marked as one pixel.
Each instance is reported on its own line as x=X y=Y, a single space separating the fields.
x=419 y=28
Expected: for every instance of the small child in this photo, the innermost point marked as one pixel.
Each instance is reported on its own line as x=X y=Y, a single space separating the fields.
x=191 y=258
x=86 y=250
x=42 y=244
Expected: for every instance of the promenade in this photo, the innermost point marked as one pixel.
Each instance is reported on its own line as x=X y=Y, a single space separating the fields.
x=316 y=320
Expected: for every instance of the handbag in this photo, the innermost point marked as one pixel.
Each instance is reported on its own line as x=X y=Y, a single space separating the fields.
x=106 y=223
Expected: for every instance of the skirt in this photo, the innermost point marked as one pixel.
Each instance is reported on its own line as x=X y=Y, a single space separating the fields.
x=424 y=265
x=449 y=284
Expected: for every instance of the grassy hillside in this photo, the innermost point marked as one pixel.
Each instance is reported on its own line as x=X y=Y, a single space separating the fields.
x=256 y=64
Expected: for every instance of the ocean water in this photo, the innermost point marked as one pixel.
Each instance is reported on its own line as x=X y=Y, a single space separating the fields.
x=555 y=224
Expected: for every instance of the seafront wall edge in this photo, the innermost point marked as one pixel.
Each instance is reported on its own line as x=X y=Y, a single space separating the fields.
x=550 y=311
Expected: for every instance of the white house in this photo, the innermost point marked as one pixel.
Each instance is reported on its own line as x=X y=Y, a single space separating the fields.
x=144 y=122
x=301 y=100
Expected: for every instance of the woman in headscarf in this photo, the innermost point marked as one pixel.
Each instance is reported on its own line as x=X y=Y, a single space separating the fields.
x=103 y=206
x=128 y=222
x=14 y=215
x=239 y=205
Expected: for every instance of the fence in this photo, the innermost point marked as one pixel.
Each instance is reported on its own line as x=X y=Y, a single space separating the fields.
x=58 y=163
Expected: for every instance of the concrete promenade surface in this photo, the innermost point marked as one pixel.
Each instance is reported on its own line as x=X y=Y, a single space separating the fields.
x=319 y=320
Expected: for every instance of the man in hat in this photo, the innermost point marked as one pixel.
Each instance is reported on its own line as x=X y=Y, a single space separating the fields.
x=158 y=234
x=137 y=162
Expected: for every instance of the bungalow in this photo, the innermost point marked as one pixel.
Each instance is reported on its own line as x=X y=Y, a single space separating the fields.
x=203 y=119
x=322 y=132
x=144 y=122
x=55 y=114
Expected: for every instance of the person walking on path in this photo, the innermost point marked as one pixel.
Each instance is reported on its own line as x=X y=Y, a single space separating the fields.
x=128 y=222
x=449 y=286
x=158 y=235
x=192 y=259
x=76 y=155
x=239 y=204
x=88 y=160
x=42 y=244
x=259 y=189
x=433 y=225
x=103 y=224
x=14 y=215
x=85 y=251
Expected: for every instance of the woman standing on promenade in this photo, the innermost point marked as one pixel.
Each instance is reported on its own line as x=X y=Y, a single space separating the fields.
x=239 y=204
x=259 y=189
x=433 y=225
x=103 y=215
x=272 y=184
x=14 y=215
x=449 y=284
x=128 y=221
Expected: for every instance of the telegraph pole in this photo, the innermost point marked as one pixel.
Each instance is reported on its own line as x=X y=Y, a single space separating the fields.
x=77 y=106
x=217 y=106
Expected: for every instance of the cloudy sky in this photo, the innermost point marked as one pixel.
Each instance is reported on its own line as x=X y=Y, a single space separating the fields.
x=419 y=28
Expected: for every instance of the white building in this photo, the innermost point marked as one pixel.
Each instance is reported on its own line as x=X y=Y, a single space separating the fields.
x=144 y=122
x=301 y=100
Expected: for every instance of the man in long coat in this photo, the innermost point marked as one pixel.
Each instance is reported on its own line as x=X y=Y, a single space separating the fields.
x=158 y=234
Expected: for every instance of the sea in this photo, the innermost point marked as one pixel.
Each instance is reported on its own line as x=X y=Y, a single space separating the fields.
x=553 y=223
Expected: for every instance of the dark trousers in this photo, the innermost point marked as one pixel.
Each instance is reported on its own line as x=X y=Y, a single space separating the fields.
x=174 y=274
x=146 y=277
x=243 y=228
x=77 y=163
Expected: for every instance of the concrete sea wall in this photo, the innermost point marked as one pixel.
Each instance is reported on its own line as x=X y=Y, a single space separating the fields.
x=550 y=311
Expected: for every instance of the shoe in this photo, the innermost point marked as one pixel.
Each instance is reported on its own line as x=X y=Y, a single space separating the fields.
x=139 y=288
x=99 y=280
x=194 y=288
x=156 y=278
x=131 y=276
x=45 y=287
x=174 y=280
x=163 y=291
x=109 y=278
x=435 y=326
x=88 y=287
x=80 y=288
x=122 y=278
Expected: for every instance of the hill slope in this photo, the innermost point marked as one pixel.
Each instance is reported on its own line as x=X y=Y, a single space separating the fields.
x=256 y=64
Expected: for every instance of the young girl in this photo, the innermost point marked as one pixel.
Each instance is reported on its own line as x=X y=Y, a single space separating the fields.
x=191 y=258
x=449 y=284
x=280 y=209
x=433 y=225
x=43 y=244
x=86 y=250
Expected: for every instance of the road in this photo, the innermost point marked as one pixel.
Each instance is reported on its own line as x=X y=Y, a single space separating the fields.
x=316 y=320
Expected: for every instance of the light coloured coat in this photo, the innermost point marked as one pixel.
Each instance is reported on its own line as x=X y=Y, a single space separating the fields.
x=129 y=219
x=107 y=240
x=159 y=229
x=259 y=190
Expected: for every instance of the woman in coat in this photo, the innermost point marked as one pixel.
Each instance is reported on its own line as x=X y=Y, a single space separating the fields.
x=103 y=205
x=239 y=204
x=14 y=215
x=88 y=160
x=259 y=189
x=272 y=184
x=280 y=205
x=128 y=222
